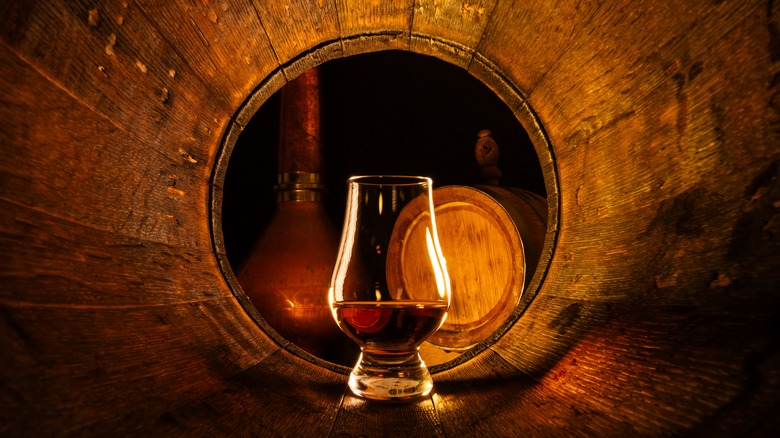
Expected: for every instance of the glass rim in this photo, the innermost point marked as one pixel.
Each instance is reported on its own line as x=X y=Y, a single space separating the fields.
x=386 y=180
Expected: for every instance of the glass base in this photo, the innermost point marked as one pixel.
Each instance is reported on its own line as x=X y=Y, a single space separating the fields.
x=391 y=378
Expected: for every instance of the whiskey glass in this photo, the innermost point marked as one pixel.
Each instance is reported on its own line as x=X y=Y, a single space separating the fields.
x=390 y=289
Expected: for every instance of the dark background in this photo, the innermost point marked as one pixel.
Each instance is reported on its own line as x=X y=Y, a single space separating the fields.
x=388 y=112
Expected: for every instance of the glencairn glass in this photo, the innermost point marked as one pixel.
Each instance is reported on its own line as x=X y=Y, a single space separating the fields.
x=390 y=289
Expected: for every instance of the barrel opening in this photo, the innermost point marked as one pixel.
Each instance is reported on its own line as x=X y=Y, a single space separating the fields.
x=385 y=112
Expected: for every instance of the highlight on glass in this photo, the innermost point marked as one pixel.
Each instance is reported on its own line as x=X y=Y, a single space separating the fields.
x=390 y=289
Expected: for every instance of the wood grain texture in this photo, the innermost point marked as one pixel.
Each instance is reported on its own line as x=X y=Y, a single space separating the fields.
x=538 y=33
x=297 y=27
x=358 y=417
x=75 y=264
x=474 y=402
x=224 y=42
x=657 y=316
x=129 y=358
x=388 y=24
x=261 y=400
x=460 y=24
x=100 y=175
x=668 y=206
x=123 y=58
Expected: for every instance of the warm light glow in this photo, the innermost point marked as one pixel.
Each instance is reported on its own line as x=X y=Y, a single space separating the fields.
x=380 y=203
x=439 y=268
x=438 y=261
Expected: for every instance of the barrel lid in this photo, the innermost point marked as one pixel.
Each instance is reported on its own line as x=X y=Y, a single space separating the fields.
x=485 y=259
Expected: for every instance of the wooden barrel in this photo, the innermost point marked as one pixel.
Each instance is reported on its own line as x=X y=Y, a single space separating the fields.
x=656 y=306
x=492 y=239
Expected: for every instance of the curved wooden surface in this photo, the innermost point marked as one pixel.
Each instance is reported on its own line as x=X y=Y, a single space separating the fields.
x=658 y=314
x=492 y=238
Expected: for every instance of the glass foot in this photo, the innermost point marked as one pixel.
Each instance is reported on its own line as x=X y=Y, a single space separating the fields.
x=378 y=378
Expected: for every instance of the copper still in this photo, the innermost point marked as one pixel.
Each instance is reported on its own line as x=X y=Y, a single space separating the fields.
x=287 y=272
